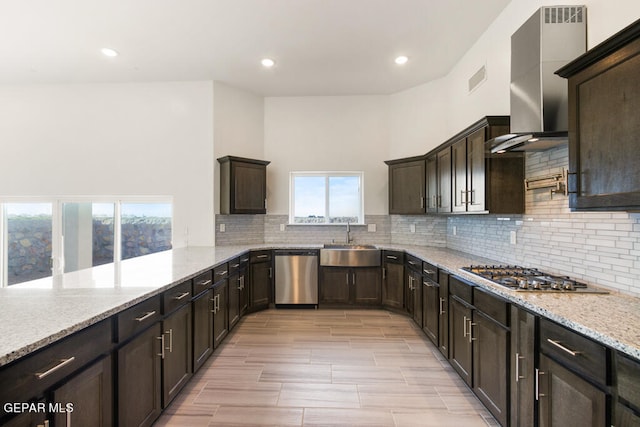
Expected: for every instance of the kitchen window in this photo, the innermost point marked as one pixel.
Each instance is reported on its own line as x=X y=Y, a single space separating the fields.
x=41 y=238
x=318 y=198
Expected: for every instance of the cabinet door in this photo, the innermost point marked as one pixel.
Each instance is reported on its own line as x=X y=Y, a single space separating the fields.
x=490 y=364
x=90 y=393
x=522 y=367
x=260 y=285
x=335 y=284
x=459 y=175
x=443 y=310
x=417 y=301
x=604 y=100
x=243 y=294
x=392 y=285
x=460 y=349
x=220 y=312
x=407 y=187
x=431 y=310
x=432 y=184
x=444 y=180
x=139 y=390
x=234 y=299
x=565 y=399
x=202 y=328
x=250 y=189
x=365 y=285
x=475 y=197
x=176 y=365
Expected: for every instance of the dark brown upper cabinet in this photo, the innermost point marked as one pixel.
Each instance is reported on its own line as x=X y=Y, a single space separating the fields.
x=480 y=181
x=243 y=185
x=604 y=124
x=407 y=193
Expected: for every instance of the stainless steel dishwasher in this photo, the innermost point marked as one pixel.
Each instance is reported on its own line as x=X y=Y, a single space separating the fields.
x=296 y=272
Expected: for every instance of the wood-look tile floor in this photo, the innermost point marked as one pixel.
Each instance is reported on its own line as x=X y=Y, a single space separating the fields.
x=294 y=367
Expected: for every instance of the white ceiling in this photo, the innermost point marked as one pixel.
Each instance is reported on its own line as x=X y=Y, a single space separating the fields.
x=321 y=47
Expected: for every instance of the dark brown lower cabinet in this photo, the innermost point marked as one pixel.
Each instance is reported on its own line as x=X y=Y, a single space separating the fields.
x=177 y=354
x=220 y=312
x=523 y=327
x=139 y=379
x=565 y=399
x=90 y=393
x=260 y=280
x=202 y=307
x=431 y=310
x=350 y=286
x=393 y=279
x=460 y=346
x=491 y=364
x=443 y=313
x=234 y=299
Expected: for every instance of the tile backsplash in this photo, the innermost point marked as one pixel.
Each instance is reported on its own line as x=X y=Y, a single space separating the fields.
x=598 y=247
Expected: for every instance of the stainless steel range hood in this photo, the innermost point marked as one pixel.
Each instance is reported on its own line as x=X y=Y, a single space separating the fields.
x=549 y=39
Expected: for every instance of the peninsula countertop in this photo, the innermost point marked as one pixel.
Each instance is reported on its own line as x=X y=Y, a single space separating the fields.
x=37 y=313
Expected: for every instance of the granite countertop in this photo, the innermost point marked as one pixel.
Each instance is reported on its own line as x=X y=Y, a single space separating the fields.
x=40 y=312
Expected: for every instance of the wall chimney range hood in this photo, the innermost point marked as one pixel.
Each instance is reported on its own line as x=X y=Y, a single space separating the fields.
x=549 y=39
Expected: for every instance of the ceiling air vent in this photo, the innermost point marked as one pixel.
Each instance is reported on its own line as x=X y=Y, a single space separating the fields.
x=479 y=77
x=563 y=15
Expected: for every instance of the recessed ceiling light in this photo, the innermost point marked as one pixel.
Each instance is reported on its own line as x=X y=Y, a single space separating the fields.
x=109 y=52
x=268 y=62
x=401 y=60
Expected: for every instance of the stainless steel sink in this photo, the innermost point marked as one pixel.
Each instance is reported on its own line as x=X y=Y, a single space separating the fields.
x=349 y=255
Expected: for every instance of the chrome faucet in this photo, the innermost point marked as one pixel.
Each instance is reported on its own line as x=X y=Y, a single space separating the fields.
x=349 y=239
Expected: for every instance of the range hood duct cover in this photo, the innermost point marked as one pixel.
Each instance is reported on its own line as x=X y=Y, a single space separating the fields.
x=549 y=39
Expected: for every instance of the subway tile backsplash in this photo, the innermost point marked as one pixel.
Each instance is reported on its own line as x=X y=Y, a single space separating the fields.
x=602 y=248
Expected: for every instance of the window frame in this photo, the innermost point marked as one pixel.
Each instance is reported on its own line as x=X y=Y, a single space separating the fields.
x=326 y=175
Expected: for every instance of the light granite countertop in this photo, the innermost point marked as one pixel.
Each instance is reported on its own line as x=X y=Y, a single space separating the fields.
x=37 y=313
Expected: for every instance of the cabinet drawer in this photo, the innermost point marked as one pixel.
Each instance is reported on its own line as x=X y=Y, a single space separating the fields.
x=234 y=265
x=575 y=351
x=430 y=270
x=220 y=272
x=396 y=257
x=627 y=374
x=494 y=307
x=461 y=289
x=176 y=297
x=412 y=262
x=138 y=318
x=30 y=376
x=260 y=256
x=202 y=282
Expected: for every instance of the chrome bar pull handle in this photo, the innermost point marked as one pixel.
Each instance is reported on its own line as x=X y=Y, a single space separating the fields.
x=464 y=327
x=441 y=306
x=471 y=325
x=182 y=296
x=145 y=316
x=517 y=369
x=563 y=348
x=62 y=364
x=161 y=338
x=538 y=394
x=170 y=332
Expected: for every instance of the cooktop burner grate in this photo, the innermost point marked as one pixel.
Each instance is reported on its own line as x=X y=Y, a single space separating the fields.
x=530 y=279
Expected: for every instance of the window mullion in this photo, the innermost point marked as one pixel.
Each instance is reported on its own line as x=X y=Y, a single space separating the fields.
x=326 y=199
x=3 y=248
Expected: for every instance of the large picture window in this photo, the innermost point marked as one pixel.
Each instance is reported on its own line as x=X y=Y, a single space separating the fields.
x=39 y=239
x=326 y=198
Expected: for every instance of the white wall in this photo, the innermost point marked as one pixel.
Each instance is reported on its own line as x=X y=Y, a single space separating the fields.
x=453 y=108
x=335 y=133
x=152 y=139
x=238 y=126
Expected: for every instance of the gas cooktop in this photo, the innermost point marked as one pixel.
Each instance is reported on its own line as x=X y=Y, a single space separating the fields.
x=530 y=279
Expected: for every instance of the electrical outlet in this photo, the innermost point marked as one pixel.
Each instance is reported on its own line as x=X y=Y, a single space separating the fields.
x=371 y=228
x=455 y=230
x=512 y=237
x=282 y=227
x=412 y=228
x=222 y=228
